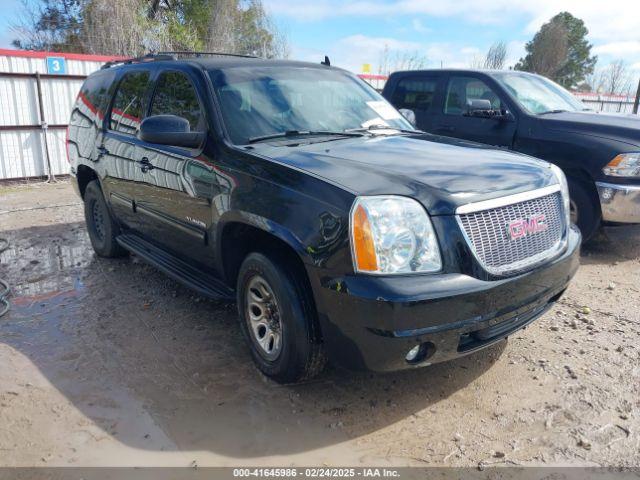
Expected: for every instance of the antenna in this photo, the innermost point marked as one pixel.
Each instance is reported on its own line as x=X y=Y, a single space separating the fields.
x=326 y=62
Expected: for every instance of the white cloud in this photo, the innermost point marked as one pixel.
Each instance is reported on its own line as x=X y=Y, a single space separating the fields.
x=470 y=51
x=515 y=51
x=418 y=26
x=363 y=42
x=321 y=9
x=618 y=49
x=353 y=51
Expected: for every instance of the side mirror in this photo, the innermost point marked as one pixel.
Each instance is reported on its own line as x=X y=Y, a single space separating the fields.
x=477 y=107
x=409 y=115
x=482 y=108
x=169 y=130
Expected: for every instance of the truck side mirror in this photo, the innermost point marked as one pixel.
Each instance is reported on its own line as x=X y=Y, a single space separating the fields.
x=169 y=130
x=409 y=115
x=479 y=107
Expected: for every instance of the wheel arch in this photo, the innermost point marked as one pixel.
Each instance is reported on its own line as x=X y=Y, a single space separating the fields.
x=240 y=235
x=84 y=175
x=239 y=238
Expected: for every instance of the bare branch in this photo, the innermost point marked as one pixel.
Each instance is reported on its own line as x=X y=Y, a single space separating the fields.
x=394 y=60
x=496 y=56
x=617 y=79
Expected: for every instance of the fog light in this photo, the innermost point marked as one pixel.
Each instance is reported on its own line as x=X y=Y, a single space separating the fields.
x=420 y=353
x=413 y=354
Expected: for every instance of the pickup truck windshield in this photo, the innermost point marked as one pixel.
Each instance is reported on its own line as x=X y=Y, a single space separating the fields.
x=539 y=95
x=258 y=102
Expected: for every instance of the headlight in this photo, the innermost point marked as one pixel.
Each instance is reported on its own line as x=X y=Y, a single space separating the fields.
x=564 y=187
x=392 y=234
x=624 y=165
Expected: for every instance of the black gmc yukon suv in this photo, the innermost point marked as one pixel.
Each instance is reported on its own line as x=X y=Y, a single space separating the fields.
x=298 y=191
x=599 y=153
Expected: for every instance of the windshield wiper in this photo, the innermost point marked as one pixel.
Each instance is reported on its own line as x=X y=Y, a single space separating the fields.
x=381 y=127
x=553 y=111
x=301 y=133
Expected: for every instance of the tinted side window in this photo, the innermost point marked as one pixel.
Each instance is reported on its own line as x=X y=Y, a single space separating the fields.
x=128 y=105
x=414 y=93
x=462 y=89
x=176 y=96
x=92 y=99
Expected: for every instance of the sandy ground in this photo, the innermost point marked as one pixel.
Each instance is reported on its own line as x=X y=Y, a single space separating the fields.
x=109 y=362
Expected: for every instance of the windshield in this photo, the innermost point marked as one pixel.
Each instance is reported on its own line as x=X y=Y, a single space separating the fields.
x=538 y=94
x=259 y=101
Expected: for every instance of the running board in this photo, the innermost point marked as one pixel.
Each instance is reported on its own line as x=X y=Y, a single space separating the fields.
x=194 y=278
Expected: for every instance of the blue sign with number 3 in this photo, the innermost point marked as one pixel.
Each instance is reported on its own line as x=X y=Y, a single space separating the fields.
x=56 y=65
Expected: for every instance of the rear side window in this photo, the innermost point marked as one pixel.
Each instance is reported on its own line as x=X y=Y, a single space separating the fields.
x=92 y=100
x=462 y=89
x=175 y=95
x=414 y=93
x=128 y=106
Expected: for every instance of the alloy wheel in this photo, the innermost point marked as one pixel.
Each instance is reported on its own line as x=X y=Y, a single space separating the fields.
x=263 y=317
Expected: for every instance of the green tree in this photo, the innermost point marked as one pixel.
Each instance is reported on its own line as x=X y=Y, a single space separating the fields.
x=133 y=27
x=49 y=25
x=560 y=50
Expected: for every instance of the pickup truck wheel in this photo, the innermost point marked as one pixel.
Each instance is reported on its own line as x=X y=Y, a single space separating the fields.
x=102 y=228
x=276 y=320
x=584 y=210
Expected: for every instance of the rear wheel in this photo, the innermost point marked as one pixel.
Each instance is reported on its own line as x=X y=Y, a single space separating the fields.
x=585 y=212
x=102 y=228
x=278 y=321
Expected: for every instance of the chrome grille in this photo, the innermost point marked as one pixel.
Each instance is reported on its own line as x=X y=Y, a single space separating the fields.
x=487 y=232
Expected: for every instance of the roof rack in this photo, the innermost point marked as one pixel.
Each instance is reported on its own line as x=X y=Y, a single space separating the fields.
x=159 y=56
x=201 y=54
x=149 y=57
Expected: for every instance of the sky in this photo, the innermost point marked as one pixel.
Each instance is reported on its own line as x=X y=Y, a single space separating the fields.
x=450 y=33
x=447 y=32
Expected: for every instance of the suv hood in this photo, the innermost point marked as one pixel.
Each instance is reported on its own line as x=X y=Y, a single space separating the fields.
x=442 y=173
x=623 y=128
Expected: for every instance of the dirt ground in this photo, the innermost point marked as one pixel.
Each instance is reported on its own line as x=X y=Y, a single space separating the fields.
x=109 y=362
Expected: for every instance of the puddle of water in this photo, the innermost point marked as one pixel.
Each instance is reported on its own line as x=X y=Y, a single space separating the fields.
x=43 y=262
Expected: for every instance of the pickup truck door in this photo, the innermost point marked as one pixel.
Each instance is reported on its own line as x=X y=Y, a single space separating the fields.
x=174 y=206
x=419 y=93
x=451 y=119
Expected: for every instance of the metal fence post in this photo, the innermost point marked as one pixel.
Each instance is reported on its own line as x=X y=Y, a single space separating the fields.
x=635 y=104
x=43 y=125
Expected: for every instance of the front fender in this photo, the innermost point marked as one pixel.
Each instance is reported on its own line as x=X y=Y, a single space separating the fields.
x=261 y=223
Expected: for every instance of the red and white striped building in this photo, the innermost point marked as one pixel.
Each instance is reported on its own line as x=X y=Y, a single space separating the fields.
x=34 y=112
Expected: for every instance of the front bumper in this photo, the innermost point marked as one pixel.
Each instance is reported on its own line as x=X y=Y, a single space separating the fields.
x=619 y=203
x=372 y=322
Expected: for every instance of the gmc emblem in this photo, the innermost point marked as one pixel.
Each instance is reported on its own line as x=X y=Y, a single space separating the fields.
x=522 y=227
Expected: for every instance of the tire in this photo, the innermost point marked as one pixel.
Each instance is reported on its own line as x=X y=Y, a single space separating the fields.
x=278 y=320
x=585 y=210
x=101 y=226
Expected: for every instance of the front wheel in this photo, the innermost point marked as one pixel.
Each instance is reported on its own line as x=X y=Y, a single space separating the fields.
x=585 y=210
x=277 y=320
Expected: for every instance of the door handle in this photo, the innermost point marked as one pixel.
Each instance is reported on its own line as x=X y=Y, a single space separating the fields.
x=145 y=165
